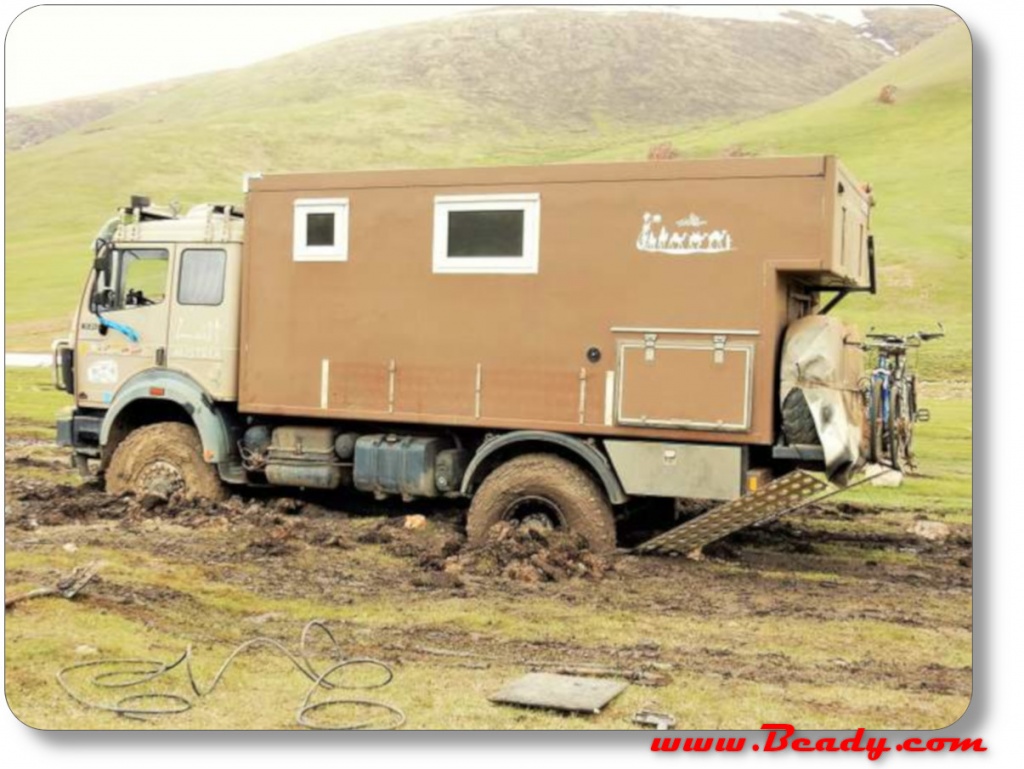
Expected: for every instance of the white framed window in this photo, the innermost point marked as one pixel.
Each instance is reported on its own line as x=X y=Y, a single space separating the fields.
x=321 y=230
x=487 y=233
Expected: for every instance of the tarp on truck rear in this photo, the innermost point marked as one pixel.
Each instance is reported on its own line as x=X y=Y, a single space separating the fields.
x=821 y=357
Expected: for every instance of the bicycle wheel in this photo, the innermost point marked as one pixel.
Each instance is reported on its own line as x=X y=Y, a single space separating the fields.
x=875 y=421
x=899 y=431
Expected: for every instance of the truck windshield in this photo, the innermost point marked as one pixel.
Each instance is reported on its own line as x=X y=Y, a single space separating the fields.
x=142 y=277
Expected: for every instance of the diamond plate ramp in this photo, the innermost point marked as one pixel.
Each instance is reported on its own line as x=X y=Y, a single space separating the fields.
x=781 y=496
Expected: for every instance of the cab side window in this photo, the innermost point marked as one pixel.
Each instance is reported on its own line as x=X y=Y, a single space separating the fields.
x=143 y=277
x=201 y=276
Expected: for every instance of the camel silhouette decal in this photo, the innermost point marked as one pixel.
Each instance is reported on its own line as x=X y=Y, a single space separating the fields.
x=684 y=238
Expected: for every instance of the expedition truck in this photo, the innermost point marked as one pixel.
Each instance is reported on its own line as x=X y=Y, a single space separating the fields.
x=547 y=342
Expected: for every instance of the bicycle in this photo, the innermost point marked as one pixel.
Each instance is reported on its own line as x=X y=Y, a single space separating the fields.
x=891 y=393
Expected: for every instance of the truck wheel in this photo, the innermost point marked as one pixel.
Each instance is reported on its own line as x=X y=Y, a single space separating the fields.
x=797 y=422
x=163 y=458
x=547 y=490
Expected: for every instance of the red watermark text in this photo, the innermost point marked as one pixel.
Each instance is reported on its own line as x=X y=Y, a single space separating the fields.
x=781 y=737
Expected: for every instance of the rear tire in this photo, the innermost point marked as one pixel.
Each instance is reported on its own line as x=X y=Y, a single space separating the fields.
x=543 y=482
x=163 y=458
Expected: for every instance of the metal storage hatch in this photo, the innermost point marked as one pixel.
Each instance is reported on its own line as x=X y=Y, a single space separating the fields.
x=701 y=383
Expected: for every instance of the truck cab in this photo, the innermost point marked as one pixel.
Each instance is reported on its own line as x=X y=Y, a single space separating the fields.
x=156 y=329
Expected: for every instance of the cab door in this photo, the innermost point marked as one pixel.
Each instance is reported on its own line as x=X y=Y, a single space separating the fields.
x=203 y=331
x=136 y=310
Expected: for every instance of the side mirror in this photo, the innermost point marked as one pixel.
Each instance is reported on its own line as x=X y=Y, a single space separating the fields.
x=102 y=299
x=102 y=264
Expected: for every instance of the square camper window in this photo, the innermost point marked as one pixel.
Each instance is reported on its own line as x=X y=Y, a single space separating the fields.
x=321 y=230
x=487 y=233
x=201 y=278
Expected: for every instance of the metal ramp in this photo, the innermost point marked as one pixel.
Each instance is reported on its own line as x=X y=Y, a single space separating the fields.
x=783 y=495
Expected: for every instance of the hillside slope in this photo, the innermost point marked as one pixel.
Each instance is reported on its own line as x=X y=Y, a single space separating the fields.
x=916 y=153
x=552 y=68
x=27 y=126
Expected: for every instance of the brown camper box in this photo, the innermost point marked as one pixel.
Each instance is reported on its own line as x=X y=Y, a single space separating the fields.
x=416 y=332
x=653 y=306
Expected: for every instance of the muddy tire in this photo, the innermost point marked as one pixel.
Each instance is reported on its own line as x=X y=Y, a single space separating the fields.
x=543 y=485
x=163 y=458
x=797 y=422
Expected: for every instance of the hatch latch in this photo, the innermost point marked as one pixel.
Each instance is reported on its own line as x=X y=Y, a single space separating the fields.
x=718 y=340
x=650 y=342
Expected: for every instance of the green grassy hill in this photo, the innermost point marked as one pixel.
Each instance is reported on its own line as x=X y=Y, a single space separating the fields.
x=27 y=126
x=553 y=68
x=477 y=89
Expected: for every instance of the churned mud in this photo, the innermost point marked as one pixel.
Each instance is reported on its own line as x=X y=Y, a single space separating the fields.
x=274 y=527
x=833 y=565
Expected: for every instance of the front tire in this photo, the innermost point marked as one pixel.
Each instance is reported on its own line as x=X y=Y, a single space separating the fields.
x=536 y=486
x=163 y=458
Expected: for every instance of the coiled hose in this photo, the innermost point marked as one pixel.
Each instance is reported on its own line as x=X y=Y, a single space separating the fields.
x=127 y=673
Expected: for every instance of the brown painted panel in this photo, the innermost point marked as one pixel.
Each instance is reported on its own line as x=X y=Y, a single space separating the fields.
x=359 y=386
x=526 y=393
x=680 y=384
x=439 y=390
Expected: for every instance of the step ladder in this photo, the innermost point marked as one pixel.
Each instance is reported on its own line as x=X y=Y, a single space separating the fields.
x=783 y=495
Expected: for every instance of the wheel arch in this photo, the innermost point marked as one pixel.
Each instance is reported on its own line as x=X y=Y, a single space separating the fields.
x=499 y=449
x=164 y=395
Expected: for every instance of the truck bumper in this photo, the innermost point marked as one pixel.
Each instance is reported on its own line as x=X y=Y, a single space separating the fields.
x=80 y=432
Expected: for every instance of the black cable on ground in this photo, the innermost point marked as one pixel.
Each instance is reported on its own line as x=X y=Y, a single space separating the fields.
x=129 y=673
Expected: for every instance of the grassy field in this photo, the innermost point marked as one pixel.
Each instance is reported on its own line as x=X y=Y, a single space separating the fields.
x=830 y=620
x=735 y=667
x=31 y=402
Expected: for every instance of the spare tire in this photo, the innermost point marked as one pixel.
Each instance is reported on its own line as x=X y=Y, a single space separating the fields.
x=797 y=422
